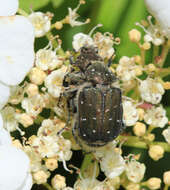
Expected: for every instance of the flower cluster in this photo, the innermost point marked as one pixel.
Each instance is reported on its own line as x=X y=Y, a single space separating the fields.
x=35 y=122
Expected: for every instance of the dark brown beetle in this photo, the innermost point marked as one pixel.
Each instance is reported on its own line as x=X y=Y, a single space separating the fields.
x=95 y=103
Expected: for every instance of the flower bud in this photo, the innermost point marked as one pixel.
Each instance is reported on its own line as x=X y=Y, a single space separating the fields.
x=58 y=25
x=146 y=45
x=51 y=164
x=58 y=182
x=156 y=152
x=154 y=183
x=134 y=35
x=139 y=129
x=166 y=85
x=166 y=178
x=137 y=59
x=150 y=137
x=37 y=76
x=40 y=177
x=134 y=186
x=25 y=120
x=32 y=89
x=151 y=68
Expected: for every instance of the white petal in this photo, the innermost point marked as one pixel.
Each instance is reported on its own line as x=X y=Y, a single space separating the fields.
x=160 y=9
x=14 y=166
x=4 y=94
x=5 y=138
x=1 y=122
x=8 y=7
x=27 y=183
x=16 y=49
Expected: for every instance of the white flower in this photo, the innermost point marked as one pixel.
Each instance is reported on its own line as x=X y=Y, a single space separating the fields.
x=153 y=33
x=130 y=113
x=5 y=138
x=35 y=158
x=6 y=10
x=14 y=165
x=156 y=116
x=16 y=52
x=72 y=16
x=33 y=105
x=54 y=81
x=127 y=69
x=16 y=49
x=9 y=118
x=161 y=11
x=166 y=134
x=135 y=171
x=105 y=44
x=41 y=23
x=16 y=94
x=49 y=127
x=46 y=146
x=80 y=40
x=112 y=164
x=151 y=90
x=47 y=59
x=1 y=122
x=4 y=95
x=86 y=184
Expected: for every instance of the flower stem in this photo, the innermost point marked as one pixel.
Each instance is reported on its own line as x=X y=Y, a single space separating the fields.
x=86 y=162
x=142 y=52
x=133 y=141
x=155 y=53
x=164 y=53
x=48 y=186
x=166 y=187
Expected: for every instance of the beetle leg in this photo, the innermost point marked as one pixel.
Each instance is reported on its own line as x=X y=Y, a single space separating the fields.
x=71 y=60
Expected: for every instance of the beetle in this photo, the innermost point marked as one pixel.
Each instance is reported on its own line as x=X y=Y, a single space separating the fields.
x=96 y=105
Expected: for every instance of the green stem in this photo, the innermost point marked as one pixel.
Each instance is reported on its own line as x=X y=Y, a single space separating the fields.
x=133 y=141
x=142 y=53
x=164 y=54
x=166 y=187
x=86 y=162
x=48 y=186
x=22 y=12
x=150 y=128
x=155 y=53
x=50 y=37
x=163 y=72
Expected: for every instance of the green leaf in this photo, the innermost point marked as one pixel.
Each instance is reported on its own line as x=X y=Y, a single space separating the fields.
x=57 y=3
x=135 y=12
x=110 y=12
x=28 y=5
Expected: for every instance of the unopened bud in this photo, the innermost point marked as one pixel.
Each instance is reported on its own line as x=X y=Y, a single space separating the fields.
x=25 y=119
x=166 y=178
x=139 y=129
x=51 y=164
x=58 y=182
x=37 y=76
x=146 y=45
x=40 y=177
x=32 y=89
x=154 y=183
x=58 y=25
x=156 y=152
x=134 y=35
